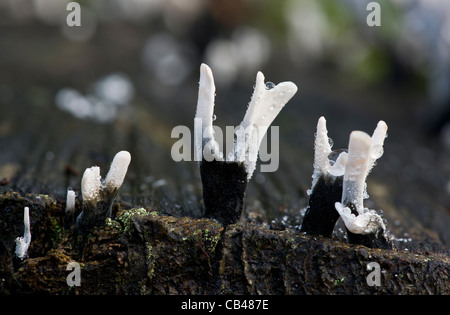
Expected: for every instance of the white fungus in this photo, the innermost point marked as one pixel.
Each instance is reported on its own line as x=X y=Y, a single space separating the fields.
x=70 y=201
x=98 y=195
x=118 y=170
x=91 y=184
x=363 y=151
x=322 y=149
x=357 y=168
x=205 y=112
x=22 y=243
x=265 y=104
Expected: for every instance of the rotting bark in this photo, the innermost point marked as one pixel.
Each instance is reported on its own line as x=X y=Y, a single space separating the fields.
x=143 y=252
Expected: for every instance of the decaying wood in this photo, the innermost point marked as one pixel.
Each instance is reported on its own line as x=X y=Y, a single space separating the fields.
x=143 y=252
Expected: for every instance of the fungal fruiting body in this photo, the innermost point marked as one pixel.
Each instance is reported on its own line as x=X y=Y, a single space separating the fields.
x=266 y=103
x=339 y=187
x=22 y=243
x=70 y=207
x=98 y=196
x=70 y=201
x=364 y=226
x=224 y=181
x=117 y=171
x=91 y=183
x=326 y=189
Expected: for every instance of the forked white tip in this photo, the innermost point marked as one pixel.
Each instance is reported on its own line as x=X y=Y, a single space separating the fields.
x=22 y=243
x=118 y=170
x=265 y=104
x=91 y=184
x=363 y=150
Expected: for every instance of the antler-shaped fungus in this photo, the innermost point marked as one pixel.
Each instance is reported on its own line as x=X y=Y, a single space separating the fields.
x=98 y=196
x=224 y=181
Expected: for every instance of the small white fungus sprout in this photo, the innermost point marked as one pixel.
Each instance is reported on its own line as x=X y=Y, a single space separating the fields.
x=265 y=104
x=70 y=201
x=91 y=184
x=363 y=151
x=22 y=243
x=118 y=170
x=98 y=195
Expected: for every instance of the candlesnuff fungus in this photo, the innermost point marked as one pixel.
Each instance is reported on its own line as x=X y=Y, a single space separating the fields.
x=98 y=195
x=70 y=201
x=22 y=243
x=339 y=187
x=70 y=207
x=326 y=189
x=364 y=226
x=224 y=180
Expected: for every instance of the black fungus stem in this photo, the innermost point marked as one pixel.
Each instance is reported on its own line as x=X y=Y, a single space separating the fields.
x=94 y=214
x=321 y=215
x=224 y=185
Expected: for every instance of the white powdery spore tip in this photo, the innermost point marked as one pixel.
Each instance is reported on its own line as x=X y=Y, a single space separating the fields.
x=205 y=113
x=91 y=184
x=70 y=201
x=322 y=147
x=206 y=94
x=266 y=103
x=118 y=170
x=22 y=243
x=322 y=150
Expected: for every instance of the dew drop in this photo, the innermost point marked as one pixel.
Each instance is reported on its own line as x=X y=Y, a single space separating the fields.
x=214 y=117
x=270 y=85
x=272 y=107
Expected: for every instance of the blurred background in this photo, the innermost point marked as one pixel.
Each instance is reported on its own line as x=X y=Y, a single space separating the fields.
x=71 y=97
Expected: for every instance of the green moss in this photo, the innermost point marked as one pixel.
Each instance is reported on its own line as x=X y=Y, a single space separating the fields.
x=127 y=215
x=211 y=240
x=150 y=259
x=113 y=224
x=339 y=281
x=46 y=198
x=55 y=232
